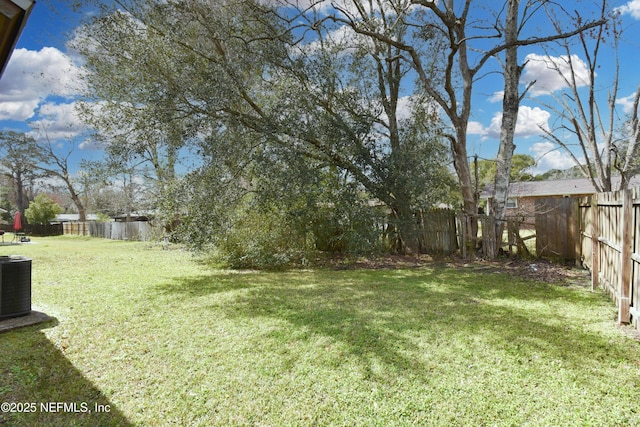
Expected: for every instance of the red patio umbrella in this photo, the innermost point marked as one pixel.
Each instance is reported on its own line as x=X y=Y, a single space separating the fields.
x=17 y=222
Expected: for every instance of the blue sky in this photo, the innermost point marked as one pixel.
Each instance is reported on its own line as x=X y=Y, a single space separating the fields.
x=42 y=81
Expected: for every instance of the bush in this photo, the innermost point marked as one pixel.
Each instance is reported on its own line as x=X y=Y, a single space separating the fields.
x=42 y=210
x=267 y=226
x=347 y=229
x=260 y=240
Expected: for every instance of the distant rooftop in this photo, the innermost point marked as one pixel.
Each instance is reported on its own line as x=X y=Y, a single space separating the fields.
x=562 y=187
x=74 y=217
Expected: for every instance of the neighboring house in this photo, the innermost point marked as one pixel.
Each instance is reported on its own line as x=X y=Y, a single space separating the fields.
x=521 y=203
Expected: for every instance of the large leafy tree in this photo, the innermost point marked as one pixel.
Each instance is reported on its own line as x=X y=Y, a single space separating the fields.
x=521 y=165
x=43 y=157
x=52 y=161
x=16 y=163
x=241 y=83
x=138 y=120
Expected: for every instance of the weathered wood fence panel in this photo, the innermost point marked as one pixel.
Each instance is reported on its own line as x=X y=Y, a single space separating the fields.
x=137 y=230
x=557 y=229
x=587 y=231
x=100 y=229
x=489 y=239
x=437 y=231
x=635 y=265
x=44 y=230
x=76 y=228
x=610 y=248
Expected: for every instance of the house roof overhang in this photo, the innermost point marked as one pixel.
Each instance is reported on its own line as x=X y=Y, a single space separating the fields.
x=13 y=17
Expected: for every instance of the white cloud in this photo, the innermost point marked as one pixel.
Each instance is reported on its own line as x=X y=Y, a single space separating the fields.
x=323 y=6
x=552 y=73
x=19 y=109
x=316 y=5
x=549 y=156
x=497 y=97
x=632 y=8
x=405 y=108
x=32 y=76
x=627 y=103
x=493 y=131
x=57 y=121
x=343 y=37
x=530 y=120
x=476 y=128
x=90 y=145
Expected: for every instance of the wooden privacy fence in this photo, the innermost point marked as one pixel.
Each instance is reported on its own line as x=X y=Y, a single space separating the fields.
x=44 y=230
x=76 y=228
x=488 y=243
x=136 y=230
x=437 y=231
x=557 y=228
x=610 y=248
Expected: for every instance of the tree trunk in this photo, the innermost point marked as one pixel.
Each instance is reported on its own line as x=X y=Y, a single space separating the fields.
x=19 y=185
x=82 y=210
x=510 y=106
x=469 y=196
x=407 y=228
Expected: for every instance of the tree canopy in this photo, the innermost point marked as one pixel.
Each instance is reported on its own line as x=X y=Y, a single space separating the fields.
x=521 y=165
x=250 y=93
x=366 y=93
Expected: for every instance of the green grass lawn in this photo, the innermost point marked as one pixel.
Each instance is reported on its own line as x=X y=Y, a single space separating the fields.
x=159 y=339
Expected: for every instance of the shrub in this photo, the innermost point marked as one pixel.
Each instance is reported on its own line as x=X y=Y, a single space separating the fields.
x=42 y=210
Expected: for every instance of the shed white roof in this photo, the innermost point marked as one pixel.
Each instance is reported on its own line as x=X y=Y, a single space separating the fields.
x=74 y=217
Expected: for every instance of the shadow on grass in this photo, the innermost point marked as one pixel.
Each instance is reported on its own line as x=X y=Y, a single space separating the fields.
x=390 y=316
x=43 y=388
x=212 y=284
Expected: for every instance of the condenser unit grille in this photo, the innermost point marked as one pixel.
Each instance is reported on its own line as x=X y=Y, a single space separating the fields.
x=15 y=286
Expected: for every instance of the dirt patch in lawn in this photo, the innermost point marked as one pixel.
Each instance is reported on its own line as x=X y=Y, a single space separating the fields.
x=540 y=270
x=380 y=262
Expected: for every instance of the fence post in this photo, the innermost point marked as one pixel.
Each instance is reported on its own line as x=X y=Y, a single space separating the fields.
x=595 y=243
x=624 y=307
x=576 y=224
x=463 y=234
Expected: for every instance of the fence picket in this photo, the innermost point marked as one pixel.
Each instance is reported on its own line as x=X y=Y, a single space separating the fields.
x=626 y=265
x=137 y=230
x=610 y=242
